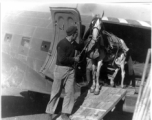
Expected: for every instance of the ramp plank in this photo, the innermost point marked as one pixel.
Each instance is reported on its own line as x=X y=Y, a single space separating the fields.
x=95 y=107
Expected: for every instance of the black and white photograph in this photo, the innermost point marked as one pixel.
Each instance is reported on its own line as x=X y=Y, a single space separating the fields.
x=76 y=60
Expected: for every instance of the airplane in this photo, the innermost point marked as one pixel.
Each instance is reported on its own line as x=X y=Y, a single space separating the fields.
x=30 y=35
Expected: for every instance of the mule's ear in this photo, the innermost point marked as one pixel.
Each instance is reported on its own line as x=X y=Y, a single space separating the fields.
x=102 y=14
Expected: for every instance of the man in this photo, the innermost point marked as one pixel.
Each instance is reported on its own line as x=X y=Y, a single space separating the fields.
x=64 y=74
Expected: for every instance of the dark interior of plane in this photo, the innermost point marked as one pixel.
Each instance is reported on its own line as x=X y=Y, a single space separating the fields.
x=138 y=40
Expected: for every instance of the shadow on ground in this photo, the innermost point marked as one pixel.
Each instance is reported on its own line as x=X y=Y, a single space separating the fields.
x=27 y=104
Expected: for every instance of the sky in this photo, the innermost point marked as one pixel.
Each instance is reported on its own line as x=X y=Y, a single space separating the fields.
x=137 y=11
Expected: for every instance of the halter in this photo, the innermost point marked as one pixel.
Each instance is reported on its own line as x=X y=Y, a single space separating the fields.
x=92 y=26
x=91 y=29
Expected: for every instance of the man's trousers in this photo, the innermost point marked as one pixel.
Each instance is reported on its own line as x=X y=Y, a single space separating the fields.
x=63 y=78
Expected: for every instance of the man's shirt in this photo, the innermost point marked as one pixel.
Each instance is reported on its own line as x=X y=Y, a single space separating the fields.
x=66 y=52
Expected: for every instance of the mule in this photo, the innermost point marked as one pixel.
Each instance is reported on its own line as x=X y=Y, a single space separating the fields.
x=97 y=51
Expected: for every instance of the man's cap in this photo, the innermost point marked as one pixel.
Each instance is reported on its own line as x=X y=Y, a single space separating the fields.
x=71 y=30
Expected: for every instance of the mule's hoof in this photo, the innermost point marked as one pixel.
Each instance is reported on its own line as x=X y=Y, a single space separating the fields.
x=92 y=90
x=112 y=84
x=97 y=92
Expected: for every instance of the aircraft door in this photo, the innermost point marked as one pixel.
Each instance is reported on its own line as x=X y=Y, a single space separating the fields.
x=62 y=19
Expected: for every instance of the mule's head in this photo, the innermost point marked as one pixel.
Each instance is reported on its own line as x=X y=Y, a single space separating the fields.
x=96 y=26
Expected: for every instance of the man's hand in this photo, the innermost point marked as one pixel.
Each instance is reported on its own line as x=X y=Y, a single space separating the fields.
x=77 y=58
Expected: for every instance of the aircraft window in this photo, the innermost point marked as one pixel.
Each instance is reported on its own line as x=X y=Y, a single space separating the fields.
x=8 y=37
x=45 y=46
x=61 y=23
x=25 y=42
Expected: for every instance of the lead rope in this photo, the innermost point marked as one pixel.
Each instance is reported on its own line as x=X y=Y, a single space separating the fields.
x=76 y=63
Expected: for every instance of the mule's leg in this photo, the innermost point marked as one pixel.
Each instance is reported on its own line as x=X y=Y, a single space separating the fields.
x=89 y=71
x=122 y=73
x=94 y=77
x=113 y=77
x=97 y=90
x=122 y=65
x=121 y=61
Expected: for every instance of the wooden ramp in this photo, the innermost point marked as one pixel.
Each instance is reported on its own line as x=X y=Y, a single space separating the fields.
x=95 y=107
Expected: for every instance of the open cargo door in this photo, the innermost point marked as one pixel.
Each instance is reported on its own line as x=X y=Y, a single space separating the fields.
x=62 y=18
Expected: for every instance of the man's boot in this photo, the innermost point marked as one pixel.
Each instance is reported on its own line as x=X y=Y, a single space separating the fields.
x=50 y=117
x=65 y=116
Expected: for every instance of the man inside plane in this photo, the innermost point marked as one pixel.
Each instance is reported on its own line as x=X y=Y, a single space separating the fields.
x=64 y=74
